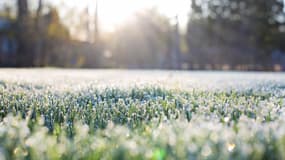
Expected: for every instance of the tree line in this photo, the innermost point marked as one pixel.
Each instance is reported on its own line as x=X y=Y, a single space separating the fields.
x=220 y=34
x=236 y=32
x=42 y=38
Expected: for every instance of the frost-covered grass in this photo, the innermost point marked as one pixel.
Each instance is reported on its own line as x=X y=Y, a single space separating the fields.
x=74 y=114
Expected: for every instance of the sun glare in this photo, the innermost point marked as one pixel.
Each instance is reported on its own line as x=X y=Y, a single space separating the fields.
x=115 y=12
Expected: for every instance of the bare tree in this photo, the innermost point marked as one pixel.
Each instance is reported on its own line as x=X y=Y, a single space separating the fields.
x=39 y=29
x=175 y=46
x=22 y=8
x=96 y=29
x=23 y=23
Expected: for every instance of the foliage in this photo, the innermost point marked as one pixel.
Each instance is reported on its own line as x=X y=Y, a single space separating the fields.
x=221 y=34
x=143 y=42
x=235 y=31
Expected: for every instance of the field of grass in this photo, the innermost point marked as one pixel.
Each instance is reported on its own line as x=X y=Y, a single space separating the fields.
x=115 y=114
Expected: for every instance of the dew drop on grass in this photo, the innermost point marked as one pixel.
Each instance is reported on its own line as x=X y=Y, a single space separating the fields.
x=231 y=147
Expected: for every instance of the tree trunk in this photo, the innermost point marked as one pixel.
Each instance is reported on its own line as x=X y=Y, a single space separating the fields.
x=39 y=41
x=23 y=58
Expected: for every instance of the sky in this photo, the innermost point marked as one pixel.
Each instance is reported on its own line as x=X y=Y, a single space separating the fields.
x=115 y=12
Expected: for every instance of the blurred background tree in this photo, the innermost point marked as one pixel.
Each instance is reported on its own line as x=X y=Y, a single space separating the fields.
x=143 y=42
x=220 y=34
x=235 y=31
x=41 y=37
x=24 y=34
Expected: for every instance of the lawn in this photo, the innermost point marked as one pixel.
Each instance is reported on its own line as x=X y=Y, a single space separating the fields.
x=157 y=115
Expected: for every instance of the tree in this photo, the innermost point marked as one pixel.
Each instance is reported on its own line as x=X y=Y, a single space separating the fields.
x=236 y=31
x=143 y=42
x=23 y=11
x=24 y=32
x=55 y=37
x=39 y=29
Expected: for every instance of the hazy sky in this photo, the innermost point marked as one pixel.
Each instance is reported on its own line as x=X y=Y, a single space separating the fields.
x=115 y=12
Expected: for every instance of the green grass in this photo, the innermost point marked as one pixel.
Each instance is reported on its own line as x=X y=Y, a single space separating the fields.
x=71 y=118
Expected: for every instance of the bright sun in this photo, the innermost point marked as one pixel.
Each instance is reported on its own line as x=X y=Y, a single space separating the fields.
x=115 y=12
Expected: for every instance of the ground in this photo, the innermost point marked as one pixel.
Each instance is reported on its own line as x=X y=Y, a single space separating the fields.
x=119 y=114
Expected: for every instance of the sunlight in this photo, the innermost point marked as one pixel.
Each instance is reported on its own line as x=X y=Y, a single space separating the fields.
x=114 y=12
